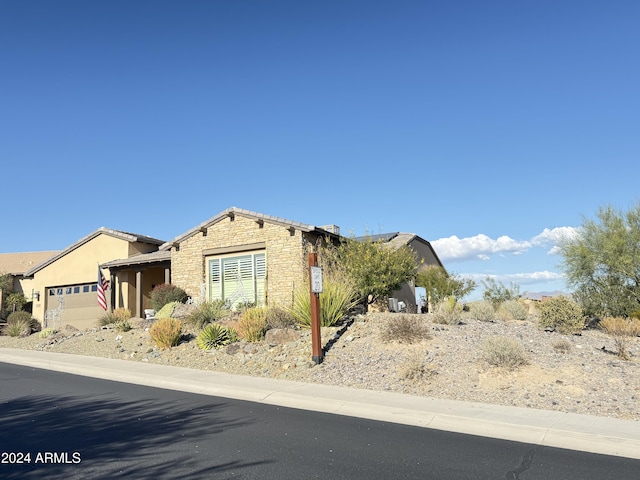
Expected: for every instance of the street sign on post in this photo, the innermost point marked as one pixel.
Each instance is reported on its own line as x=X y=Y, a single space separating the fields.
x=315 y=288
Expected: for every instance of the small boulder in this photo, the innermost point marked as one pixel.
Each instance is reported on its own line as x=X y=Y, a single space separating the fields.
x=278 y=336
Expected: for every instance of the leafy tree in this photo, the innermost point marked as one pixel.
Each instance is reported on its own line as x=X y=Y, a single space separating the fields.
x=375 y=268
x=15 y=302
x=602 y=262
x=439 y=284
x=6 y=287
x=497 y=293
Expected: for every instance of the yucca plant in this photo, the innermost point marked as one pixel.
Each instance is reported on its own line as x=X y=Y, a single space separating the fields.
x=215 y=336
x=338 y=297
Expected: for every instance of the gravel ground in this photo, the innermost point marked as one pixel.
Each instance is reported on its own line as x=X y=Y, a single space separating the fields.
x=574 y=373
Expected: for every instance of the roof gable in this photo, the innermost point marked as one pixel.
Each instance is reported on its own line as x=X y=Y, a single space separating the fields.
x=130 y=237
x=234 y=211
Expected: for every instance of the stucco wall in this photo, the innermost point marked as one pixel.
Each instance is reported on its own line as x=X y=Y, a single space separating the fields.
x=285 y=255
x=77 y=267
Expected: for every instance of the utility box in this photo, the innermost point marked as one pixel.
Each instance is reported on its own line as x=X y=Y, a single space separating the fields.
x=393 y=305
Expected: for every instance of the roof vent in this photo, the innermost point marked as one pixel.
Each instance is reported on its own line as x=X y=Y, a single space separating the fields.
x=335 y=229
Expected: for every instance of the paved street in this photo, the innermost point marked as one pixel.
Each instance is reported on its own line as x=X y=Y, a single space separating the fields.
x=105 y=429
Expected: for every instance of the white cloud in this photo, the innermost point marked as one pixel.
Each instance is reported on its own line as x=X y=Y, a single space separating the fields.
x=519 y=278
x=478 y=247
x=553 y=237
x=481 y=246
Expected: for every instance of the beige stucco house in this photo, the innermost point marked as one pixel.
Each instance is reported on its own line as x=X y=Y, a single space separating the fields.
x=65 y=284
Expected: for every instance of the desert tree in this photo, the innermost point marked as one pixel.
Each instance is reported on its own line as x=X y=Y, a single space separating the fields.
x=602 y=262
x=439 y=284
x=374 y=268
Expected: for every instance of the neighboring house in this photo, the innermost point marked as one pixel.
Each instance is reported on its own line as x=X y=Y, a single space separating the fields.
x=426 y=256
x=244 y=256
x=65 y=284
x=16 y=264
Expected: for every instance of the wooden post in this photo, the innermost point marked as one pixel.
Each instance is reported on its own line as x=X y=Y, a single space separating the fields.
x=316 y=342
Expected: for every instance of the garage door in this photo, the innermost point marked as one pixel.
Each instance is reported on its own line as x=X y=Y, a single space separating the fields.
x=79 y=305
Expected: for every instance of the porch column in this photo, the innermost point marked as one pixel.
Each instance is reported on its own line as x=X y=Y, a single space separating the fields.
x=139 y=294
x=167 y=275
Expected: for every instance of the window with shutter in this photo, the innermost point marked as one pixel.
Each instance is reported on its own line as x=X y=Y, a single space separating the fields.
x=238 y=278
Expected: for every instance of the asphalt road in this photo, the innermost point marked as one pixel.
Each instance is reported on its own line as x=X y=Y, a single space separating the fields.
x=80 y=427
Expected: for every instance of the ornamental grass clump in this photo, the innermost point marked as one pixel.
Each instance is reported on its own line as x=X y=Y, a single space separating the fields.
x=215 y=336
x=404 y=328
x=166 y=332
x=252 y=324
x=621 y=330
x=561 y=314
x=207 y=313
x=504 y=352
x=116 y=316
x=20 y=324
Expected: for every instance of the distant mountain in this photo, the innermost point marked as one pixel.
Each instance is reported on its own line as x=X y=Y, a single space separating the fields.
x=539 y=295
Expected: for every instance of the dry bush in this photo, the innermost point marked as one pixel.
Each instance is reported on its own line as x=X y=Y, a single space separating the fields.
x=621 y=330
x=504 y=352
x=278 y=317
x=416 y=367
x=562 y=345
x=448 y=312
x=404 y=328
x=513 y=310
x=482 y=311
x=253 y=324
x=166 y=332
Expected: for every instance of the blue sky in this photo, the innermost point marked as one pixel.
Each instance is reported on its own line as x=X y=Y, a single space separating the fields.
x=487 y=128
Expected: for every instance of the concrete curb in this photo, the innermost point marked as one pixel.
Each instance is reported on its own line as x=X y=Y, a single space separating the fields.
x=540 y=427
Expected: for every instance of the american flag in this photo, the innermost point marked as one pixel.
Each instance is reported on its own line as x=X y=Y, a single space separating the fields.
x=102 y=286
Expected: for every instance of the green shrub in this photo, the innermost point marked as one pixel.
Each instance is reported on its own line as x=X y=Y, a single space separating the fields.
x=278 y=317
x=208 y=312
x=45 y=332
x=252 y=324
x=167 y=310
x=338 y=297
x=635 y=314
x=561 y=314
x=166 y=293
x=166 y=332
x=504 y=352
x=20 y=324
x=122 y=326
x=404 y=328
x=448 y=312
x=482 y=311
x=513 y=310
x=215 y=336
x=621 y=329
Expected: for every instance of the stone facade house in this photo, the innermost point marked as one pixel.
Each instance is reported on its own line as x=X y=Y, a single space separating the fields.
x=244 y=256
